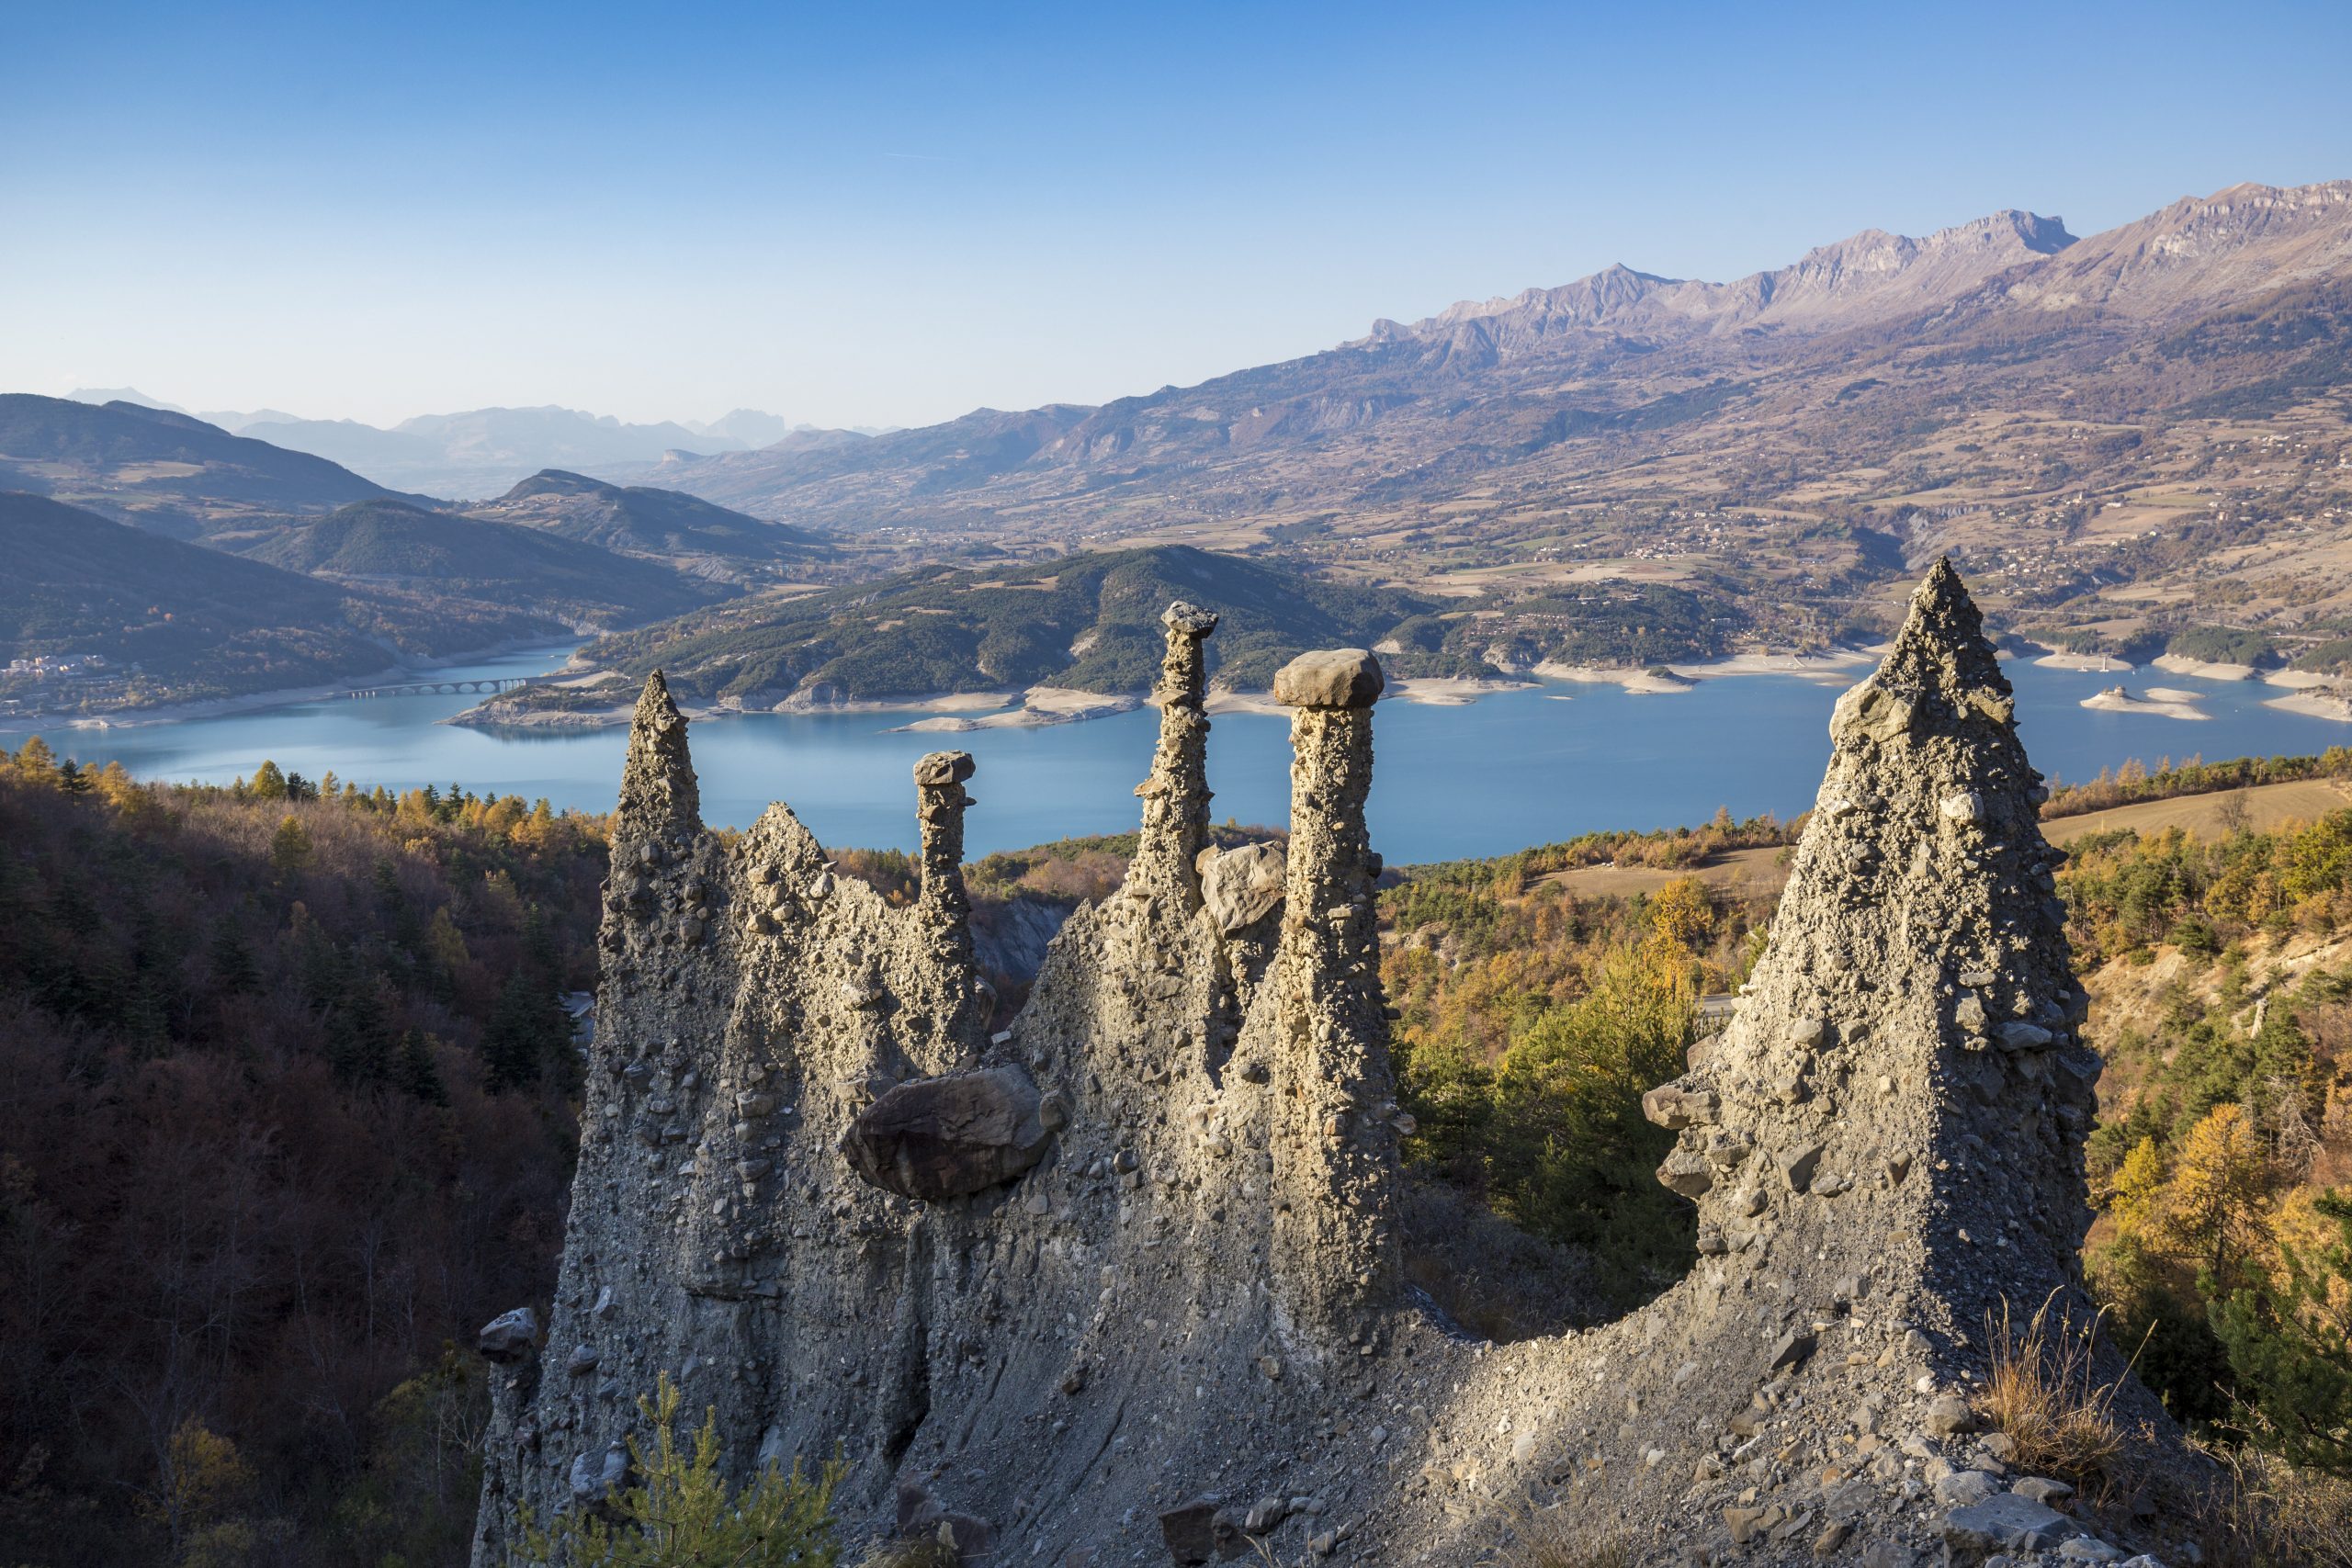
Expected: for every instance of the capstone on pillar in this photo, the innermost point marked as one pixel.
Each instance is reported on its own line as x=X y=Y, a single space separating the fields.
x=1335 y=1146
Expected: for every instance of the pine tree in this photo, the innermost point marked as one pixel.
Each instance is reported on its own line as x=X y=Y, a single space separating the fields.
x=2218 y=1185
x=268 y=783
x=527 y=1028
x=72 y=779
x=415 y=1073
x=290 y=847
x=234 y=970
x=2290 y=1346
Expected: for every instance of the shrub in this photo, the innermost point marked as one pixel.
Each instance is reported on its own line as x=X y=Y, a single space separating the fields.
x=679 y=1514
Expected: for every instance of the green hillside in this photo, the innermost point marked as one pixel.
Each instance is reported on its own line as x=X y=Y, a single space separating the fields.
x=162 y=470
x=196 y=622
x=390 y=543
x=1087 y=621
x=641 y=520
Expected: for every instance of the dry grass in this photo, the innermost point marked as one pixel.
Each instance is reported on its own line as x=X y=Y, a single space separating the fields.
x=1543 y=1538
x=917 y=1551
x=2045 y=1393
x=2266 y=1514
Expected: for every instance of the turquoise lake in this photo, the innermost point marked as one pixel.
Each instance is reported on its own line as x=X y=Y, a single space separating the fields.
x=1509 y=770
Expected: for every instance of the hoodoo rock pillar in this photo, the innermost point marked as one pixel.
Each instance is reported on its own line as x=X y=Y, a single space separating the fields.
x=1176 y=795
x=1334 y=1140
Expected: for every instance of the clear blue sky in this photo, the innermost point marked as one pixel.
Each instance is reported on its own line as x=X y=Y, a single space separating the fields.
x=867 y=214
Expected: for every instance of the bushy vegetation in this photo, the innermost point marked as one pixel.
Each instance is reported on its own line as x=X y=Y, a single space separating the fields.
x=2222 y=645
x=1090 y=622
x=1532 y=1023
x=1619 y=624
x=288 y=1118
x=2134 y=782
x=676 y=1511
x=2223 y=1247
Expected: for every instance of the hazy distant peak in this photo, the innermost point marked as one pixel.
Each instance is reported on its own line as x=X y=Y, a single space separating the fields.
x=131 y=395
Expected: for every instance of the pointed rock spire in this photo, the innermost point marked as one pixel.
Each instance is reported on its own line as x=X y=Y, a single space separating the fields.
x=1904 y=1064
x=1176 y=795
x=659 y=795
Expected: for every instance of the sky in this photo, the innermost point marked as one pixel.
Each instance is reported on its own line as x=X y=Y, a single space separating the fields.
x=871 y=215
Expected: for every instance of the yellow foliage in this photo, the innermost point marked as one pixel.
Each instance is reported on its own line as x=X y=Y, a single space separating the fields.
x=1681 y=911
x=2220 y=1186
x=2138 y=1190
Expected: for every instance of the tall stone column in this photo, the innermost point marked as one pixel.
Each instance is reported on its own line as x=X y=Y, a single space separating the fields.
x=952 y=987
x=658 y=797
x=939 y=803
x=1334 y=1139
x=1176 y=795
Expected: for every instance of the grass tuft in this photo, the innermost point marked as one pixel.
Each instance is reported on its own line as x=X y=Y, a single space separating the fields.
x=2045 y=1393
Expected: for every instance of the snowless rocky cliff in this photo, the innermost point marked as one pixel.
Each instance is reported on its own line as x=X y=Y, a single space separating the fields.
x=1121 y=1284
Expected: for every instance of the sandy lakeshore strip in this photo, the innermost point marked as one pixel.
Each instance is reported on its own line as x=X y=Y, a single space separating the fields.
x=1641 y=681
x=935 y=702
x=2329 y=703
x=2204 y=669
x=1826 y=667
x=1040 y=706
x=2091 y=663
x=2163 y=701
x=1452 y=690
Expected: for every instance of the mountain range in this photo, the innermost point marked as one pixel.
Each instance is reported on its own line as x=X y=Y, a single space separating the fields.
x=125 y=526
x=482 y=451
x=638 y=520
x=2131 y=438
x=176 y=621
x=1530 y=395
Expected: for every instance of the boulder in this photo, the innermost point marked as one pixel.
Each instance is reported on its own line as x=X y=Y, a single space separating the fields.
x=2005 y=1522
x=510 y=1337
x=1190 y=619
x=1950 y=1415
x=1202 y=1532
x=595 y=1476
x=1673 y=1107
x=939 y=769
x=1337 y=678
x=1241 y=886
x=950 y=1137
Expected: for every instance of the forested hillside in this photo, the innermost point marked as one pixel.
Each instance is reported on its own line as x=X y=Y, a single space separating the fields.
x=1088 y=622
x=391 y=543
x=289 y=1116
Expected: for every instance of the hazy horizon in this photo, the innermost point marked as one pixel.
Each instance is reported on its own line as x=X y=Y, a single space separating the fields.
x=862 y=222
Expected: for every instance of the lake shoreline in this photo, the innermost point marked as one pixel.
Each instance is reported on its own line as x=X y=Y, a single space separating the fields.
x=282 y=696
x=961 y=712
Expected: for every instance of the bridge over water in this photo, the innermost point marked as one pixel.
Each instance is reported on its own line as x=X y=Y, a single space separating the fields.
x=439 y=688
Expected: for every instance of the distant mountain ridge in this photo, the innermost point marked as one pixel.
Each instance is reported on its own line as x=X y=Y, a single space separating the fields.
x=1869 y=276
x=389 y=543
x=639 y=520
x=168 y=472
x=1523 y=391
x=201 y=623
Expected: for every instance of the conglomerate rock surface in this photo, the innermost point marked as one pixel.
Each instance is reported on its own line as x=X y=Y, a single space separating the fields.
x=1121 y=1284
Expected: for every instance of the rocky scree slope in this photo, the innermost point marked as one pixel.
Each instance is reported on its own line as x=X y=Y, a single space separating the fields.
x=1121 y=1284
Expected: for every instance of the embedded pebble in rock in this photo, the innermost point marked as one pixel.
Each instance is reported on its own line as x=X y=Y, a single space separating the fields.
x=1133 y=1281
